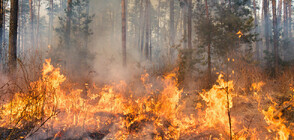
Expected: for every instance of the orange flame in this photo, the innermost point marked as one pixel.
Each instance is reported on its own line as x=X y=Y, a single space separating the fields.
x=160 y=113
x=240 y=34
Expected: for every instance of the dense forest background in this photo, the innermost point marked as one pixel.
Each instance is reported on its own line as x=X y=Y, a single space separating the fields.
x=199 y=35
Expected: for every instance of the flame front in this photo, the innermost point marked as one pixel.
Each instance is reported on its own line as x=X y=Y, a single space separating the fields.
x=119 y=111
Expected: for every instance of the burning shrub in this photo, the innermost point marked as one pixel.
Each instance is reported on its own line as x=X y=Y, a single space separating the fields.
x=120 y=111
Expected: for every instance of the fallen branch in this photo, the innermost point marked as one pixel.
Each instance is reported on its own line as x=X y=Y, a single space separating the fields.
x=41 y=125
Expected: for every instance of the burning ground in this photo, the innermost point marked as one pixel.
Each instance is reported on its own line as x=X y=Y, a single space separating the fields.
x=147 y=108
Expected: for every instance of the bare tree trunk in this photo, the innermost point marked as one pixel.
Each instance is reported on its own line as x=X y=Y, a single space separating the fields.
x=150 y=40
x=185 y=24
x=208 y=47
x=280 y=10
x=50 y=23
x=266 y=20
x=290 y=18
x=275 y=29
x=140 y=25
x=256 y=31
x=158 y=37
x=4 y=22
x=32 y=23
x=12 y=59
x=171 y=29
x=38 y=27
x=147 y=30
x=190 y=24
x=124 y=33
x=172 y=22
x=19 y=27
x=87 y=26
x=68 y=23
x=143 y=23
x=1 y=29
x=23 y=37
x=285 y=18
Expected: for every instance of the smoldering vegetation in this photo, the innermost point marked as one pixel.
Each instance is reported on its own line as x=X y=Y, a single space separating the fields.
x=196 y=69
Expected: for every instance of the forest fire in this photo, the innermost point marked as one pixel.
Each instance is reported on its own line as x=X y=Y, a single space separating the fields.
x=146 y=69
x=115 y=111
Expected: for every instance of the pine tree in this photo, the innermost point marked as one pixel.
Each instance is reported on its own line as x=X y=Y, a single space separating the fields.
x=74 y=27
x=276 y=36
x=13 y=36
x=124 y=33
x=1 y=30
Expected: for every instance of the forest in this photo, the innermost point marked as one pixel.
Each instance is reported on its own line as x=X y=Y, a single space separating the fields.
x=146 y=69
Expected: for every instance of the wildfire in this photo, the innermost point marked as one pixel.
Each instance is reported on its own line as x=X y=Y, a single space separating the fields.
x=119 y=111
x=240 y=34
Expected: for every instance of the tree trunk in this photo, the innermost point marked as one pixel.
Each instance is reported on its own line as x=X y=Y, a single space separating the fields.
x=285 y=18
x=50 y=23
x=275 y=29
x=1 y=29
x=256 y=30
x=208 y=47
x=142 y=29
x=124 y=32
x=4 y=23
x=171 y=29
x=280 y=11
x=266 y=20
x=38 y=27
x=32 y=23
x=147 y=30
x=150 y=40
x=290 y=18
x=23 y=37
x=19 y=27
x=12 y=59
x=68 y=24
x=140 y=25
x=87 y=26
x=172 y=22
x=185 y=23
x=190 y=24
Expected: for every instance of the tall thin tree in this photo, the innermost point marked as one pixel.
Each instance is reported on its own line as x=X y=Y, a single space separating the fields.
x=256 y=29
x=32 y=23
x=50 y=27
x=68 y=23
x=266 y=21
x=142 y=28
x=124 y=32
x=208 y=46
x=147 y=29
x=38 y=26
x=276 y=37
x=87 y=26
x=285 y=18
x=185 y=11
x=172 y=22
x=12 y=58
x=1 y=29
x=190 y=24
x=290 y=18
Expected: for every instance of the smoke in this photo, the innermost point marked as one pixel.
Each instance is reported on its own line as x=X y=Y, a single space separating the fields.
x=105 y=43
